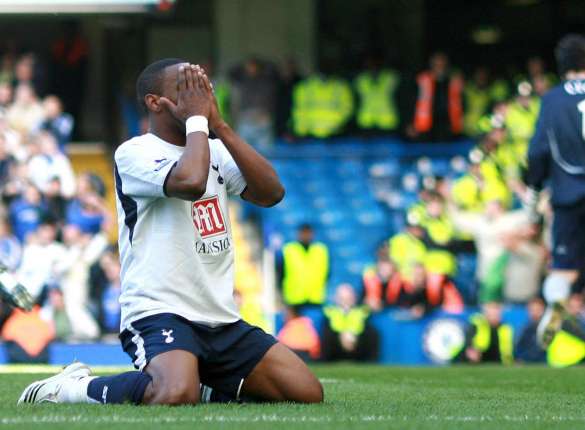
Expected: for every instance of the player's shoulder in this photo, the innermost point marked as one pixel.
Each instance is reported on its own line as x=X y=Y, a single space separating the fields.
x=136 y=146
x=566 y=90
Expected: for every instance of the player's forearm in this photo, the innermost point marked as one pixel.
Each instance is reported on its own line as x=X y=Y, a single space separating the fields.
x=188 y=179
x=263 y=186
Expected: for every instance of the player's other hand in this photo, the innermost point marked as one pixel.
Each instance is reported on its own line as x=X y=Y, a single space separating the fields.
x=215 y=119
x=193 y=97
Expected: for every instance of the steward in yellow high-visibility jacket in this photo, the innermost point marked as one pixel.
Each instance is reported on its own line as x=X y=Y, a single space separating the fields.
x=377 y=107
x=322 y=105
x=489 y=340
x=346 y=333
x=305 y=268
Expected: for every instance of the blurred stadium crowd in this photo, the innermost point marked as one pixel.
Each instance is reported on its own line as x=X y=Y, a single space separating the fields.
x=454 y=211
x=54 y=226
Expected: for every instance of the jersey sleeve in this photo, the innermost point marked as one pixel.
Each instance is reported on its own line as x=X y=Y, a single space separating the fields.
x=539 y=154
x=140 y=172
x=234 y=180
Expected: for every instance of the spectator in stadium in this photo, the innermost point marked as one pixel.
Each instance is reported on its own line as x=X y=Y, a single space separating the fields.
x=7 y=69
x=58 y=316
x=26 y=112
x=58 y=123
x=5 y=96
x=56 y=204
x=347 y=334
x=376 y=88
x=7 y=160
x=27 y=335
x=110 y=304
x=304 y=269
x=489 y=230
x=488 y=339
x=14 y=143
x=28 y=72
x=478 y=97
x=322 y=106
x=88 y=209
x=520 y=120
x=41 y=260
x=10 y=249
x=82 y=250
x=537 y=76
x=26 y=212
x=439 y=236
x=50 y=163
x=381 y=282
x=438 y=112
x=300 y=335
x=527 y=348
x=426 y=292
x=254 y=85
x=290 y=76
x=407 y=248
x=524 y=272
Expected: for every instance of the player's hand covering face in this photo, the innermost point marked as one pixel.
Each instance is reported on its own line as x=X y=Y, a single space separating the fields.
x=193 y=94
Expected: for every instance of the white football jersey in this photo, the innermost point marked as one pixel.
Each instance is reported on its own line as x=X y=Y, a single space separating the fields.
x=177 y=256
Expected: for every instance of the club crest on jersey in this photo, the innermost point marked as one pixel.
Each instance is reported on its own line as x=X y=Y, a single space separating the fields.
x=208 y=218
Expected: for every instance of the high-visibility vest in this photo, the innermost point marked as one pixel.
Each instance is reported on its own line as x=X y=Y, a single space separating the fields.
x=423 y=116
x=565 y=350
x=499 y=90
x=305 y=273
x=352 y=321
x=376 y=92
x=300 y=334
x=321 y=106
x=520 y=121
x=441 y=291
x=440 y=262
x=29 y=330
x=482 y=338
x=477 y=102
x=374 y=289
x=466 y=194
x=406 y=250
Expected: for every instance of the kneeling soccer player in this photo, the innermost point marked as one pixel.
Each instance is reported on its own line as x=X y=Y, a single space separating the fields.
x=179 y=320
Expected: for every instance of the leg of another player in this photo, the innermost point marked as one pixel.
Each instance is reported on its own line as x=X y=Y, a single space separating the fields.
x=175 y=379
x=282 y=376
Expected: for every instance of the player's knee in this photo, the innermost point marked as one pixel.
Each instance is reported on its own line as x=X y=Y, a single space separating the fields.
x=178 y=393
x=314 y=392
x=310 y=391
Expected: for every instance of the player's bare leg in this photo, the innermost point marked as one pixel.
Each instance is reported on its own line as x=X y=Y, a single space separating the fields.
x=171 y=378
x=282 y=376
x=175 y=379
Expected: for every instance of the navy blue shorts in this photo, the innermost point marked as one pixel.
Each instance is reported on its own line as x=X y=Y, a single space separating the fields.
x=568 y=234
x=226 y=354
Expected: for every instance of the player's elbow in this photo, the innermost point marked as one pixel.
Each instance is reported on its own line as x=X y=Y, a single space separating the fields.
x=189 y=188
x=274 y=197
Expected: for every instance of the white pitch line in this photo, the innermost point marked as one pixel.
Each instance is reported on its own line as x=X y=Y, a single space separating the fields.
x=118 y=419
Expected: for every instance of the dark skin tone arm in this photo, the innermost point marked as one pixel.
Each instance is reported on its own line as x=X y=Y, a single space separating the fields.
x=263 y=186
x=188 y=178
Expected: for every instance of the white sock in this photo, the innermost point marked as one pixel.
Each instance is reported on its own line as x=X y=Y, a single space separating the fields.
x=556 y=288
x=75 y=390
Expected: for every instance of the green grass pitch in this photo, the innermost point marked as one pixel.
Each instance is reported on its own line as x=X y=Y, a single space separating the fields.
x=359 y=397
